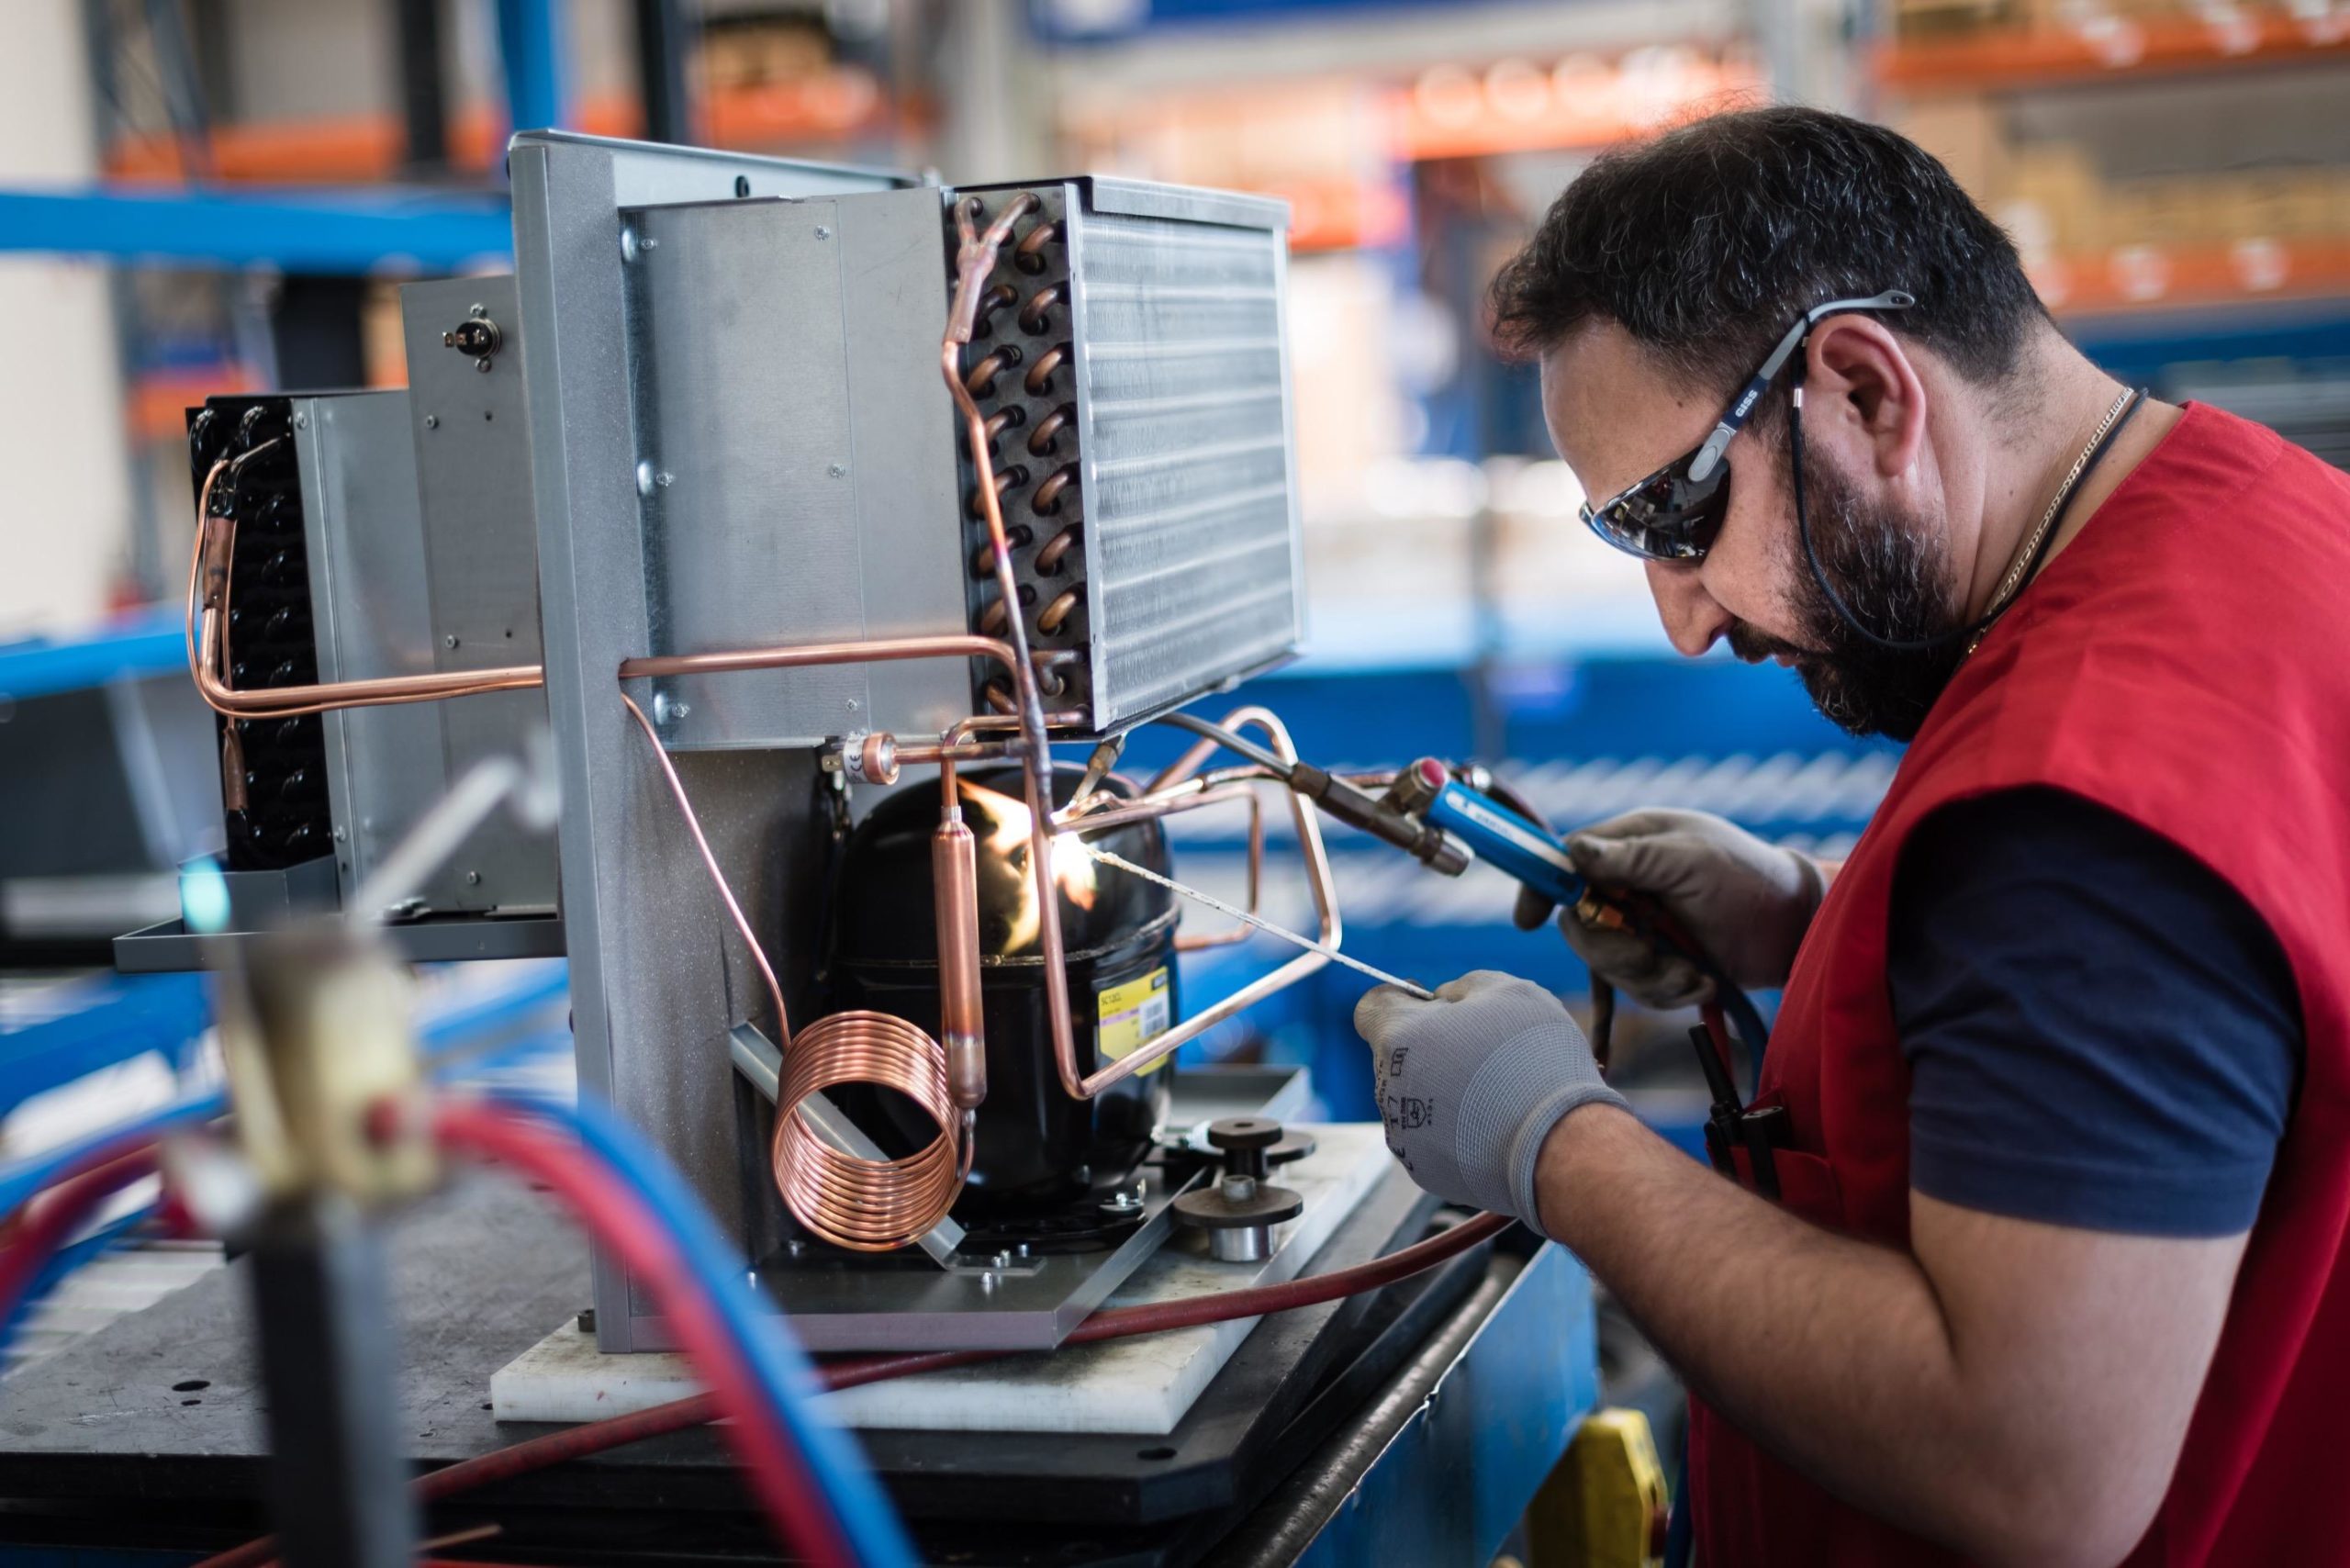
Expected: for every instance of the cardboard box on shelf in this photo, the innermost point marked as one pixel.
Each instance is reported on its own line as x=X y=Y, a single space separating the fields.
x=2278 y=204
x=1969 y=135
x=2053 y=201
x=1924 y=21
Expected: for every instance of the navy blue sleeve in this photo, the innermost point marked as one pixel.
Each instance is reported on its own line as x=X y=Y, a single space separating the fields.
x=2102 y=1032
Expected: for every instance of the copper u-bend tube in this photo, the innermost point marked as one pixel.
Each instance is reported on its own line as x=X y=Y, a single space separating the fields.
x=1330 y=932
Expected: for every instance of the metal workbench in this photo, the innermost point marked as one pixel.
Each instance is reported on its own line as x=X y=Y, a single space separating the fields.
x=1422 y=1418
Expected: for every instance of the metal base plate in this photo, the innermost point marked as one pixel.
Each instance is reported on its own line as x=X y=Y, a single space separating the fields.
x=170 y=947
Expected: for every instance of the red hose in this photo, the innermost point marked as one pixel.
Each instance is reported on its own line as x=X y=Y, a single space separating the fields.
x=618 y=1220
x=50 y=1220
x=1114 y=1323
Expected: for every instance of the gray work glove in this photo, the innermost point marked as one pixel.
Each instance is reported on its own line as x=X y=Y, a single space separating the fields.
x=1470 y=1084
x=1745 y=903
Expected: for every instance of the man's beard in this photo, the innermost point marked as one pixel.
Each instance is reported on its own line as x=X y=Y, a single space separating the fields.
x=1888 y=568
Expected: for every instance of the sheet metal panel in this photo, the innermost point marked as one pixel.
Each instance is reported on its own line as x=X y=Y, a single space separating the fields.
x=785 y=365
x=657 y=984
x=469 y=428
x=371 y=603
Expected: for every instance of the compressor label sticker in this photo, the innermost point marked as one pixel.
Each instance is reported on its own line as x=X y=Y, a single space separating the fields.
x=1132 y=1014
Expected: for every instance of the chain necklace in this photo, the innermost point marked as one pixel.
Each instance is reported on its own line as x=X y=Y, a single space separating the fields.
x=2012 y=584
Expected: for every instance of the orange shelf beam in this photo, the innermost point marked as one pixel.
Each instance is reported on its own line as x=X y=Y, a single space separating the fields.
x=156 y=404
x=2116 y=46
x=1453 y=115
x=2153 y=277
x=367 y=149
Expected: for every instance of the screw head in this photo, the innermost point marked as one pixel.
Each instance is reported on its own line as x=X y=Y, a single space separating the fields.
x=301 y=421
x=340 y=835
x=482 y=364
x=473 y=879
x=837 y=471
x=477 y=311
x=432 y=421
x=450 y=641
x=823 y=232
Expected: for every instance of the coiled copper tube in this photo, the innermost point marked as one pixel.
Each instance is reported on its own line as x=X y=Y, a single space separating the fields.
x=1048 y=499
x=1040 y=374
x=981 y=382
x=1046 y=438
x=1050 y=619
x=1005 y=480
x=1037 y=313
x=867 y=1205
x=1057 y=549
x=994 y=300
x=1029 y=254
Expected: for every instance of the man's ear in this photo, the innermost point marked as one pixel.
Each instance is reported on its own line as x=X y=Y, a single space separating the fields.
x=1859 y=377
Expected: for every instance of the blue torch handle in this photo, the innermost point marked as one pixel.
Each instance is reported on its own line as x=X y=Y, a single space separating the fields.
x=1524 y=850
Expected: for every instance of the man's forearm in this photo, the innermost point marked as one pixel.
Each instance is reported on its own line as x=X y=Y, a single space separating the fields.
x=1831 y=1352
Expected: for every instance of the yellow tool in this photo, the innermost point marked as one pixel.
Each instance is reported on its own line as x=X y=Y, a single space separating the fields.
x=1604 y=1506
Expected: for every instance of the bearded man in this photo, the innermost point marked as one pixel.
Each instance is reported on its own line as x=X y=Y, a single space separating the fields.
x=2048 y=1263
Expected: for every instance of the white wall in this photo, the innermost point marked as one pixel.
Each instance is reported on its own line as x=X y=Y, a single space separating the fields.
x=64 y=524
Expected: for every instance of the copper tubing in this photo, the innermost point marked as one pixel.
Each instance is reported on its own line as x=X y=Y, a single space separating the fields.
x=717 y=876
x=865 y=1205
x=994 y=300
x=975 y=258
x=922 y=753
x=955 y=880
x=1046 y=499
x=1029 y=254
x=975 y=503
x=983 y=558
x=1009 y=417
x=1014 y=659
x=1050 y=620
x=799 y=655
x=1055 y=550
x=1036 y=314
x=981 y=383
x=1330 y=932
x=210 y=586
x=1040 y=374
x=1046 y=438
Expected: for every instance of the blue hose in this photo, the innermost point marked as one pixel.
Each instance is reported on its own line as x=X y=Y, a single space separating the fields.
x=787 y=1379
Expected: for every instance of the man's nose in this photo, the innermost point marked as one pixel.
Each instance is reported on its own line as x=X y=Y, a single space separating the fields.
x=1691 y=619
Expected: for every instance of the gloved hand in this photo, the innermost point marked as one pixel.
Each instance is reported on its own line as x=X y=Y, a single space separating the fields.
x=1470 y=1084
x=1746 y=902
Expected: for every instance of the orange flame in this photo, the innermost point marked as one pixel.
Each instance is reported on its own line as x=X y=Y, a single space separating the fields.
x=1004 y=842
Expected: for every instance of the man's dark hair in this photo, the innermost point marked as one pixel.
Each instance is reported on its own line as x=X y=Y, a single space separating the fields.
x=1706 y=243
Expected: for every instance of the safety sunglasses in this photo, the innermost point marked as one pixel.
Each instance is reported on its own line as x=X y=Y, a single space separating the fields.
x=1674 y=514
